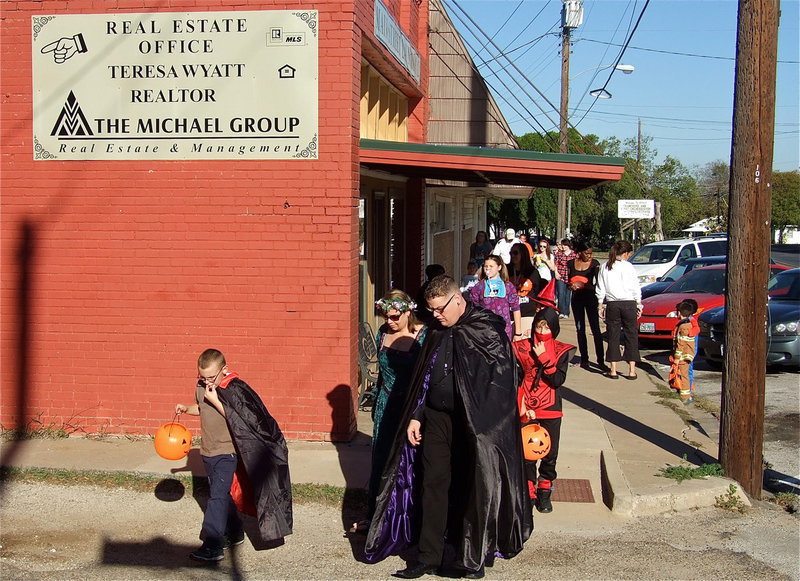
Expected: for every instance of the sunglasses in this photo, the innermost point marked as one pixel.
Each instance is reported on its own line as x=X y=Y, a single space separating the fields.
x=394 y=318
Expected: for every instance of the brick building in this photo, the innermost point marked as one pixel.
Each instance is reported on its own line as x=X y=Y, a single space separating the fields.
x=118 y=271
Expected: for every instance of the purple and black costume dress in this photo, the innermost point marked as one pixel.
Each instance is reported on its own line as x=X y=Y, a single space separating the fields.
x=490 y=511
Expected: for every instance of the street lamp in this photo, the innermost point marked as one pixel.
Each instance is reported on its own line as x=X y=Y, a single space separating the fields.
x=627 y=69
x=602 y=93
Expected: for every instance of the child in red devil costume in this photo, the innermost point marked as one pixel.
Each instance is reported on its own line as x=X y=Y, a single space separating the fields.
x=545 y=362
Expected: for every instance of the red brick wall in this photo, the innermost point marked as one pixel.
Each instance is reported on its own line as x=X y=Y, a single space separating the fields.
x=116 y=275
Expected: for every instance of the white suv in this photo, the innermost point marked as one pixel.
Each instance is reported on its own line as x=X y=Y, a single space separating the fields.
x=653 y=260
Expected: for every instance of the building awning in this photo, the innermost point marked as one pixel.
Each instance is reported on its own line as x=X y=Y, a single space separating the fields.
x=490 y=166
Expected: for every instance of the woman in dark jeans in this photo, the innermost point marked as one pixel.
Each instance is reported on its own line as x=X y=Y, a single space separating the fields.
x=581 y=280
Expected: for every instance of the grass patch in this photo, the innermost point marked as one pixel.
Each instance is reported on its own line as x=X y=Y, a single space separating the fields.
x=685 y=471
x=707 y=405
x=668 y=398
x=103 y=479
x=336 y=496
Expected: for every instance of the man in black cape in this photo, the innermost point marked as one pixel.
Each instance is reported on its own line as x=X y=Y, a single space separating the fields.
x=465 y=483
x=242 y=444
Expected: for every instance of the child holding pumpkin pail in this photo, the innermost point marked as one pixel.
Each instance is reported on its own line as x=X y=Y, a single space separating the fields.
x=545 y=362
x=241 y=443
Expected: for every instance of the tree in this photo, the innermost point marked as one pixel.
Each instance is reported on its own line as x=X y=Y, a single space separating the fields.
x=785 y=201
x=714 y=182
x=594 y=210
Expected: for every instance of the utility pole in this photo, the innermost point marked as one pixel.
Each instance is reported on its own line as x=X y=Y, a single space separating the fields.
x=742 y=415
x=639 y=146
x=571 y=17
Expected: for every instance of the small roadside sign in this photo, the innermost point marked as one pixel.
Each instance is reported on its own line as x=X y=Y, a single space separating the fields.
x=636 y=209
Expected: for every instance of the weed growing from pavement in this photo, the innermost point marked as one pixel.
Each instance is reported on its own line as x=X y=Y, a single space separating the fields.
x=685 y=471
x=35 y=428
x=354 y=499
x=787 y=500
x=668 y=397
x=730 y=501
x=707 y=405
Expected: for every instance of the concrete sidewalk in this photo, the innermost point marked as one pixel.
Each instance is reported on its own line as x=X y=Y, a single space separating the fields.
x=614 y=434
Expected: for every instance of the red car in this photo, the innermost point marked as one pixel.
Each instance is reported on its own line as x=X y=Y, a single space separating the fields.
x=704 y=285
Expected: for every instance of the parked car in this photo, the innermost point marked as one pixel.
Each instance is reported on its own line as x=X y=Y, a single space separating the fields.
x=677 y=271
x=783 y=328
x=705 y=285
x=654 y=260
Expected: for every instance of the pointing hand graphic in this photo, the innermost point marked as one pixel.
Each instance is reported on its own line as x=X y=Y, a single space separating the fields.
x=64 y=48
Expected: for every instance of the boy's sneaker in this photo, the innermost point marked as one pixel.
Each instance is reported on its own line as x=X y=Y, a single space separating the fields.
x=233 y=540
x=543 y=503
x=207 y=555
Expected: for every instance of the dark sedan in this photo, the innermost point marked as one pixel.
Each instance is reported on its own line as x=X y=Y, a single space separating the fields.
x=677 y=271
x=783 y=318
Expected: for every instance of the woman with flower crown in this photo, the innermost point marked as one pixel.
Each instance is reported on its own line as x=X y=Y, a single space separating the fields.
x=399 y=342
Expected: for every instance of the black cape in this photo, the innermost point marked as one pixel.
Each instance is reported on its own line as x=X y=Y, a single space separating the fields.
x=263 y=453
x=497 y=517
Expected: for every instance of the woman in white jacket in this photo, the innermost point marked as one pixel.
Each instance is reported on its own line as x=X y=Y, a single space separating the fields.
x=619 y=300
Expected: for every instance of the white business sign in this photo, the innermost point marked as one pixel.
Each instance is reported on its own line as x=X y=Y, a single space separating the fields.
x=636 y=209
x=176 y=86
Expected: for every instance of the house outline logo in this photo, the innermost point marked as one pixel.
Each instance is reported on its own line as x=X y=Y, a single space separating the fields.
x=71 y=121
x=287 y=72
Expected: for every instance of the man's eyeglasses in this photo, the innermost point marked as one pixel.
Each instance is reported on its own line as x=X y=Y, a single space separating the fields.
x=441 y=309
x=208 y=380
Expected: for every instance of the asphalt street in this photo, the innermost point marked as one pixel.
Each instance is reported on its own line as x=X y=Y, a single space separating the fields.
x=781 y=413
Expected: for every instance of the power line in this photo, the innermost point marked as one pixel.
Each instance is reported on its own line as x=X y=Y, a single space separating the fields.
x=703 y=56
x=516 y=68
x=679 y=120
x=494 y=45
x=603 y=57
x=502 y=26
x=619 y=58
x=530 y=116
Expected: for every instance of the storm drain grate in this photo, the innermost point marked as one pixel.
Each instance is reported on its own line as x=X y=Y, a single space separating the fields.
x=572 y=490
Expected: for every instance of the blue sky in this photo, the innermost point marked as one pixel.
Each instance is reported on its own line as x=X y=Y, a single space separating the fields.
x=682 y=95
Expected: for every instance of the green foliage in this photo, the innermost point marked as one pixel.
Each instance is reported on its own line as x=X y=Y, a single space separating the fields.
x=787 y=500
x=714 y=182
x=730 y=501
x=354 y=499
x=684 y=196
x=594 y=211
x=126 y=480
x=785 y=200
x=685 y=471
x=36 y=428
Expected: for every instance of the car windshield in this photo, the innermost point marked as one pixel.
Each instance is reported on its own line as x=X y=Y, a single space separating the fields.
x=654 y=254
x=785 y=286
x=674 y=273
x=710 y=281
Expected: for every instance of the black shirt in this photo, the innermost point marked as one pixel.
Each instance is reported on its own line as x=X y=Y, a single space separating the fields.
x=441 y=391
